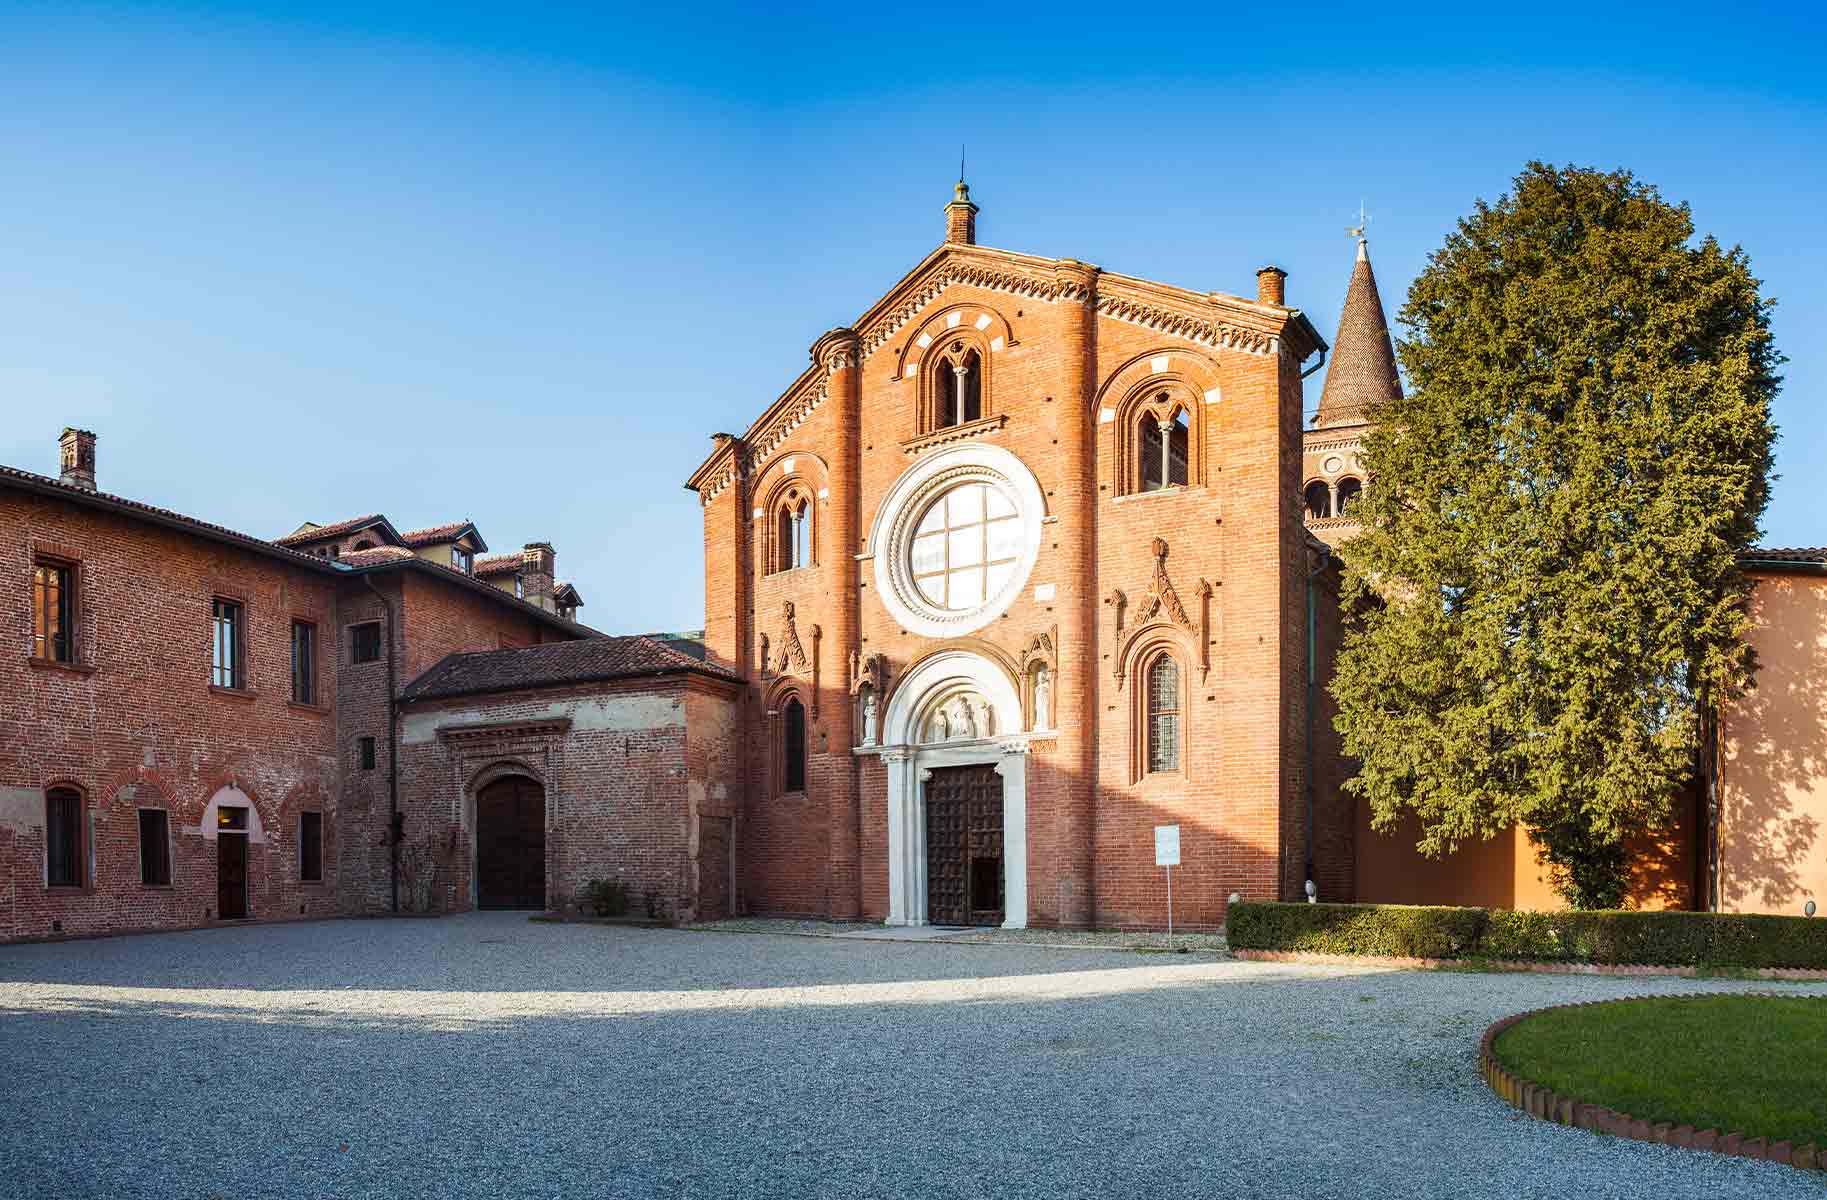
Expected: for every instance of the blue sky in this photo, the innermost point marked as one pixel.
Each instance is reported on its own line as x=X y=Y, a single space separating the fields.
x=517 y=263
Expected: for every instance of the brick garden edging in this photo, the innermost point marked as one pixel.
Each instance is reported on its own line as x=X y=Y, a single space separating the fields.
x=1549 y=1105
x=1511 y=964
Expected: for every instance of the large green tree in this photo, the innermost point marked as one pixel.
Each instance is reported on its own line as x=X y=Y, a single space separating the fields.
x=1547 y=592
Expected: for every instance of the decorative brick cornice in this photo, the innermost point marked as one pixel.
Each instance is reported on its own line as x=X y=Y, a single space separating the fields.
x=505 y=730
x=954 y=433
x=1014 y=283
x=1547 y=1104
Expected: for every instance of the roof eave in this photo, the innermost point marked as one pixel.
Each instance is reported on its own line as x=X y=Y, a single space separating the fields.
x=447 y=574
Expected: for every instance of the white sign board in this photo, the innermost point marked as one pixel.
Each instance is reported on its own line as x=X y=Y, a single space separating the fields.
x=1167 y=845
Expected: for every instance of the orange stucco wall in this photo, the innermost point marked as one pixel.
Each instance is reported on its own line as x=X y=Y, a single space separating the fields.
x=1503 y=873
x=1773 y=778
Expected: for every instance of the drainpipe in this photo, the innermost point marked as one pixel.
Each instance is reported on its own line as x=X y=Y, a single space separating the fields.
x=393 y=761
x=1312 y=697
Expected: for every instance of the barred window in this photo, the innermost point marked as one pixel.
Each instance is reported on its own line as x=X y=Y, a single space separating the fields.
x=1164 y=715
x=63 y=846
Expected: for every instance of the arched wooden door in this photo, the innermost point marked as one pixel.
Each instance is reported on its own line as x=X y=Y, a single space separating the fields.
x=511 y=844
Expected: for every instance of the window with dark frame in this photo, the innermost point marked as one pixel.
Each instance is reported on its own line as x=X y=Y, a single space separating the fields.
x=365 y=642
x=155 y=848
x=63 y=853
x=53 y=613
x=1164 y=715
x=304 y=662
x=461 y=559
x=311 y=847
x=794 y=745
x=225 y=650
x=365 y=748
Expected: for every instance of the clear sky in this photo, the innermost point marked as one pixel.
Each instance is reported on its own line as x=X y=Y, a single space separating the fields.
x=516 y=263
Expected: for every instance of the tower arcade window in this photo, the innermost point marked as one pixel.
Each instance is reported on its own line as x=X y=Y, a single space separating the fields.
x=1319 y=499
x=1348 y=492
x=957 y=386
x=793 y=745
x=1164 y=715
x=53 y=612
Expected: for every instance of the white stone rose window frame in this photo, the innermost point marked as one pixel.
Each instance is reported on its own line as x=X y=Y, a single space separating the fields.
x=956 y=539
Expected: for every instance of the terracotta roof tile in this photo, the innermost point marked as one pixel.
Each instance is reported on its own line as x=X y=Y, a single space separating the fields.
x=590 y=660
x=378 y=554
x=328 y=531
x=1785 y=554
x=435 y=534
x=1363 y=367
x=497 y=564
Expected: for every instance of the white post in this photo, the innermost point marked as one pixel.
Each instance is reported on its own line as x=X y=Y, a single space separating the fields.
x=1170 y=904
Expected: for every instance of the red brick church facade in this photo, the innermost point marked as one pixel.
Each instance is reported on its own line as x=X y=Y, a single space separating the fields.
x=1016 y=571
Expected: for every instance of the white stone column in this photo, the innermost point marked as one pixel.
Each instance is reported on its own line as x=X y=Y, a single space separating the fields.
x=1013 y=767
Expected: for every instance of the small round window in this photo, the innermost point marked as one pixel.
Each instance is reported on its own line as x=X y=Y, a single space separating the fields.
x=966 y=547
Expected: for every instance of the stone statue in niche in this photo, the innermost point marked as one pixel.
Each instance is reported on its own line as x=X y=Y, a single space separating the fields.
x=962 y=717
x=1043 y=698
x=868 y=716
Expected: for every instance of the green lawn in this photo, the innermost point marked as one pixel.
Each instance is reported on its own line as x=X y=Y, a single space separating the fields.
x=1756 y=1063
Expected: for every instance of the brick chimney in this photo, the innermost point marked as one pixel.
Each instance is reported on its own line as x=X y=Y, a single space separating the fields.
x=78 y=469
x=538 y=566
x=961 y=217
x=1272 y=286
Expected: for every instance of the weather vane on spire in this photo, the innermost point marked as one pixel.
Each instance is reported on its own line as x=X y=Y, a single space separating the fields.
x=1357 y=231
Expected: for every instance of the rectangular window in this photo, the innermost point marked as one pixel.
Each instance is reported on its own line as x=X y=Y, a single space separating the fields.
x=366 y=747
x=63 y=837
x=304 y=662
x=460 y=559
x=311 y=847
x=365 y=642
x=225 y=647
x=155 y=848
x=53 y=624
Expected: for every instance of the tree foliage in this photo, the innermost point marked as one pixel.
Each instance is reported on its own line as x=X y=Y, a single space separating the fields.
x=1547 y=588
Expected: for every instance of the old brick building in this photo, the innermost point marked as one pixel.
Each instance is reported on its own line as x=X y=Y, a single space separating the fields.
x=200 y=725
x=1016 y=571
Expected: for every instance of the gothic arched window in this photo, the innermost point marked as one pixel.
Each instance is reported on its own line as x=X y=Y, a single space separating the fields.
x=1159 y=442
x=957 y=386
x=793 y=532
x=793 y=745
x=1164 y=715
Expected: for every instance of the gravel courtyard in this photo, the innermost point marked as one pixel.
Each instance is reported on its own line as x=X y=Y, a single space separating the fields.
x=487 y=1056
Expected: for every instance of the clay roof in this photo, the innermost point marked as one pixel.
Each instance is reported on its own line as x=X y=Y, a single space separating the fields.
x=378 y=554
x=1781 y=556
x=1362 y=370
x=556 y=664
x=317 y=533
x=437 y=535
x=497 y=564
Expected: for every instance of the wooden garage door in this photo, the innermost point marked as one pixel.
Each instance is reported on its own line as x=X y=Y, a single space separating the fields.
x=511 y=845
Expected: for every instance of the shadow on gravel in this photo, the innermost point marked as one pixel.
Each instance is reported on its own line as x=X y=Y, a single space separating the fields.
x=1154 y=1078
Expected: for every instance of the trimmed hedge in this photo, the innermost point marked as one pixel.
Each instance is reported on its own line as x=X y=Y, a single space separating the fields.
x=1662 y=939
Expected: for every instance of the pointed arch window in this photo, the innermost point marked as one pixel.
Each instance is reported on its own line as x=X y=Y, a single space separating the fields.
x=957 y=386
x=793 y=532
x=1164 y=715
x=1159 y=441
x=793 y=745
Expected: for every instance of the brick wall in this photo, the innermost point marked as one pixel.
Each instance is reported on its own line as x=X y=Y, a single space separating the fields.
x=137 y=723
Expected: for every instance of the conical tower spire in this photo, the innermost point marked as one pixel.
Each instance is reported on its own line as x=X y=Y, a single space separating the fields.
x=1363 y=367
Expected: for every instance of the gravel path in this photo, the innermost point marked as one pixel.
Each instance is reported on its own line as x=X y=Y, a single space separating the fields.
x=487 y=1056
x=1093 y=939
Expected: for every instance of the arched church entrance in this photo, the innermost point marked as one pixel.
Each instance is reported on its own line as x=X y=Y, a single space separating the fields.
x=957 y=795
x=964 y=871
x=511 y=844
